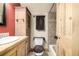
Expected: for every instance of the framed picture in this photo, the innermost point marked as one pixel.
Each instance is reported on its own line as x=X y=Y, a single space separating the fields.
x=40 y=23
x=2 y=14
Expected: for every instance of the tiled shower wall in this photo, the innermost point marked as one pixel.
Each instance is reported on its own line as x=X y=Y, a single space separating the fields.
x=52 y=28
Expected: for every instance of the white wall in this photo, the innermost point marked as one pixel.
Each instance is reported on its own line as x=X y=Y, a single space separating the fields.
x=36 y=33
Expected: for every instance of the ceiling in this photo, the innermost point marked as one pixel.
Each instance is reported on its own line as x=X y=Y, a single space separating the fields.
x=38 y=7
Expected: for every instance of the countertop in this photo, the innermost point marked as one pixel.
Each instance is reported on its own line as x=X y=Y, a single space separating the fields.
x=8 y=46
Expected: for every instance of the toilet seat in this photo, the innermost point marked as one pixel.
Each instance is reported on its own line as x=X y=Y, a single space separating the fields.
x=38 y=49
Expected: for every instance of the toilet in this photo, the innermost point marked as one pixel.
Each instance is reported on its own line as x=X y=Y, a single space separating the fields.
x=38 y=46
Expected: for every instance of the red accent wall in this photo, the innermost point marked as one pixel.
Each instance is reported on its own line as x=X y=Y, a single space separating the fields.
x=10 y=20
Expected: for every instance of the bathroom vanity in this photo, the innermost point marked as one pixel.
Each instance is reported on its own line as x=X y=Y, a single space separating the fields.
x=15 y=48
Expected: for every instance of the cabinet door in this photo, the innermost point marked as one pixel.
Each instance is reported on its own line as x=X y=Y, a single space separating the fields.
x=21 y=50
x=12 y=52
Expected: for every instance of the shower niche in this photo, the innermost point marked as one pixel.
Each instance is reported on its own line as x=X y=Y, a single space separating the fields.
x=40 y=23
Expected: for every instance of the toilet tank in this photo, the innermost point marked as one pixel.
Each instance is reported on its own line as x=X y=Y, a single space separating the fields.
x=38 y=40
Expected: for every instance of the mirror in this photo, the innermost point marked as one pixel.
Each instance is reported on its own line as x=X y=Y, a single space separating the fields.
x=2 y=14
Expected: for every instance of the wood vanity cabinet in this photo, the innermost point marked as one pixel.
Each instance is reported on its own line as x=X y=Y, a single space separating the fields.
x=20 y=49
x=23 y=48
x=67 y=29
x=12 y=52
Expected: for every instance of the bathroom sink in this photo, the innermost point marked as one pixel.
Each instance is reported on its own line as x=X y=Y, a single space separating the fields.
x=8 y=39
